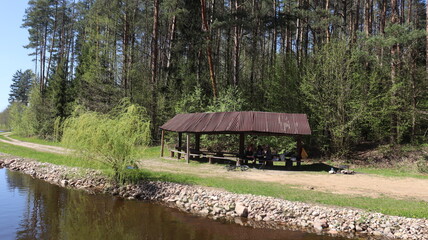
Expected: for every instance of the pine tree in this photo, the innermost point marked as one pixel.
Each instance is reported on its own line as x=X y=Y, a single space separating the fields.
x=21 y=85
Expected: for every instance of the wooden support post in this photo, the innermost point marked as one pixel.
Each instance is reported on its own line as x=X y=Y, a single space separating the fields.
x=162 y=142
x=187 y=148
x=180 y=137
x=241 y=144
x=197 y=141
x=241 y=148
x=299 y=146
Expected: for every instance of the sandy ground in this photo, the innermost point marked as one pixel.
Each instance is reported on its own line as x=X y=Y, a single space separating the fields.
x=35 y=146
x=358 y=184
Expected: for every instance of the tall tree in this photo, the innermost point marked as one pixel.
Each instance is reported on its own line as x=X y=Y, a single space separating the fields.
x=206 y=29
x=21 y=85
x=154 y=62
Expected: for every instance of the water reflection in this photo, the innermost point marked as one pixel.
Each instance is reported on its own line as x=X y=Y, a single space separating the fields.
x=46 y=211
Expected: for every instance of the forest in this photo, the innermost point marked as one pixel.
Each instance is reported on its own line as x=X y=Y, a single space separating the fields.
x=357 y=68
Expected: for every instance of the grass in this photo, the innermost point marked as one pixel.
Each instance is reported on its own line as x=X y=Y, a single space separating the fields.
x=392 y=172
x=390 y=206
x=58 y=159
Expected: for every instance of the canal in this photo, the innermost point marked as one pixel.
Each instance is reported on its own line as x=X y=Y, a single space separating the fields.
x=33 y=209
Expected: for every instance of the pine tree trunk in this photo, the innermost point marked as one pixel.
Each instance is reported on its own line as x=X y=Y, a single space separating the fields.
x=206 y=29
x=368 y=9
x=275 y=32
x=327 y=30
x=299 y=34
x=236 y=43
x=54 y=30
x=409 y=11
x=170 y=42
x=394 y=67
x=154 y=65
x=382 y=16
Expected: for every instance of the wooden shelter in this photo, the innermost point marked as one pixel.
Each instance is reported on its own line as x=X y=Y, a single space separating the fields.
x=242 y=123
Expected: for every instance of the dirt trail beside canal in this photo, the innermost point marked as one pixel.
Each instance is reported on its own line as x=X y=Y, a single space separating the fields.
x=359 y=184
x=35 y=146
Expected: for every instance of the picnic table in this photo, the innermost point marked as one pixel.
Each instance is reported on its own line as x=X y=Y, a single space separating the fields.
x=228 y=156
x=211 y=156
x=276 y=158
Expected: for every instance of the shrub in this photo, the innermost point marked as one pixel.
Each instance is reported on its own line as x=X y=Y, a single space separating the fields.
x=114 y=139
x=422 y=164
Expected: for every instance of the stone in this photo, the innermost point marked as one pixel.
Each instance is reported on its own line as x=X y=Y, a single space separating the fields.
x=320 y=224
x=241 y=210
x=238 y=221
x=217 y=210
x=387 y=230
x=64 y=183
x=204 y=212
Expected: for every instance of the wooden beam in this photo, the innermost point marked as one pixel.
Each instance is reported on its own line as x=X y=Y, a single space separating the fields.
x=162 y=142
x=187 y=148
x=180 y=138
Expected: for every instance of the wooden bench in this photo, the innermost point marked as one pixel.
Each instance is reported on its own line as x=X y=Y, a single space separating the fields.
x=212 y=157
x=179 y=153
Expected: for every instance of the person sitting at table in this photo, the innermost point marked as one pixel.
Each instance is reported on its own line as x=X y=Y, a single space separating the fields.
x=268 y=152
x=268 y=155
x=249 y=153
x=259 y=155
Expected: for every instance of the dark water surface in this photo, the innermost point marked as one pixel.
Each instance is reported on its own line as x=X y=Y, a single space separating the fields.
x=33 y=209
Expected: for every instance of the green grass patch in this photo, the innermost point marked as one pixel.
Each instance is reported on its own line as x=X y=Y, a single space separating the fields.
x=392 y=172
x=66 y=160
x=389 y=206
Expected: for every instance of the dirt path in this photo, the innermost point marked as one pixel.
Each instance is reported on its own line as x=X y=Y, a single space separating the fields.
x=358 y=184
x=35 y=146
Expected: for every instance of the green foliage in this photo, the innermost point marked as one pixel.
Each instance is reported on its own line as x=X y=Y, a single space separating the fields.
x=422 y=164
x=22 y=120
x=282 y=89
x=5 y=119
x=21 y=86
x=195 y=101
x=113 y=139
x=334 y=88
x=230 y=100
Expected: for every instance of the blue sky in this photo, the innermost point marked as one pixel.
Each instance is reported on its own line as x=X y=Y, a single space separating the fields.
x=13 y=56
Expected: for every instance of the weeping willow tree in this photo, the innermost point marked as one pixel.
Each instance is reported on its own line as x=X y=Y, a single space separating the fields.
x=114 y=139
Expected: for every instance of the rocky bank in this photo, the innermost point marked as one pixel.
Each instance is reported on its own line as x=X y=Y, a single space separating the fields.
x=244 y=209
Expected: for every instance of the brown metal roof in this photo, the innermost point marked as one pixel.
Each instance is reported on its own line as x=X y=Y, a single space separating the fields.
x=261 y=123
